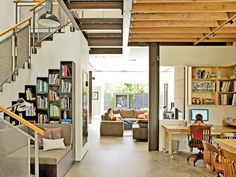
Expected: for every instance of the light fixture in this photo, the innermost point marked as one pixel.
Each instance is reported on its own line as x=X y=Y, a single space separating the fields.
x=22 y=105
x=48 y=19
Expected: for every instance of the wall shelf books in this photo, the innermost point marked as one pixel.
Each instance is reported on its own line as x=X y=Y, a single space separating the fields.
x=213 y=85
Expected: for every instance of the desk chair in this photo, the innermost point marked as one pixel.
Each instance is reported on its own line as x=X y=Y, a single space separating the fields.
x=228 y=162
x=211 y=158
x=228 y=135
x=197 y=134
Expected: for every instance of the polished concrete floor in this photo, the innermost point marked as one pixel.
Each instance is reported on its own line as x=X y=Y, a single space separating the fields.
x=124 y=157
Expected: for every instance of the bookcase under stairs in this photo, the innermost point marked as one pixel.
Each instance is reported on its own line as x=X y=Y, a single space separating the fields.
x=51 y=98
x=212 y=85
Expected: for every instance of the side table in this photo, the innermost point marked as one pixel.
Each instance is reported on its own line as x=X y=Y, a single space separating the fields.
x=140 y=133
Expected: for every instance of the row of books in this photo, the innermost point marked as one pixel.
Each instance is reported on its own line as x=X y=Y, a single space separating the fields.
x=29 y=94
x=203 y=86
x=53 y=95
x=227 y=86
x=42 y=86
x=203 y=74
x=54 y=79
x=42 y=118
x=31 y=110
x=42 y=102
x=228 y=99
x=66 y=70
x=65 y=86
x=66 y=103
x=54 y=110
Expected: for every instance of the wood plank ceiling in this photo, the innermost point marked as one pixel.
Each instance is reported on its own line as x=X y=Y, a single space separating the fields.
x=183 y=21
x=102 y=29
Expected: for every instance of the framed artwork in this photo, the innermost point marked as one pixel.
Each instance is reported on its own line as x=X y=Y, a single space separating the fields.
x=95 y=95
x=122 y=100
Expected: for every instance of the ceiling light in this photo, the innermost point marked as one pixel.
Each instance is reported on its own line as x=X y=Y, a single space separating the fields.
x=48 y=19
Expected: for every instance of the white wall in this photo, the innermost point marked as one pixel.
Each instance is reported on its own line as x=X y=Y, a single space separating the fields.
x=7 y=15
x=197 y=55
x=71 y=46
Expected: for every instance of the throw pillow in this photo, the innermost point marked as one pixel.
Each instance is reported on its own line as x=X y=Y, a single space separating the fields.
x=117 y=115
x=56 y=132
x=53 y=144
x=141 y=116
x=47 y=135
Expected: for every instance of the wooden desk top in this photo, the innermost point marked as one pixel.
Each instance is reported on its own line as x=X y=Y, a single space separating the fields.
x=229 y=144
x=215 y=130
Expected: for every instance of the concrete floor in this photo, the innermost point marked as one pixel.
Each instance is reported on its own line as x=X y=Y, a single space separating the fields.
x=124 y=157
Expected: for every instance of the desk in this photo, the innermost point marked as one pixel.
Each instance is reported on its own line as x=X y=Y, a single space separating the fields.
x=181 y=130
x=229 y=144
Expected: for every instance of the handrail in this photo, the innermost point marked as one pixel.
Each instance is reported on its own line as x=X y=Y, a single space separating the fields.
x=15 y=26
x=18 y=1
x=50 y=34
x=21 y=120
x=37 y=5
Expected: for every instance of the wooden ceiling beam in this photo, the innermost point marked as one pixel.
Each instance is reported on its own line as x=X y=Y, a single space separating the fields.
x=181 y=16
x=181 y=40
x=176 y=36
x=101 y=26
x=170 y=30
x=96 y=5
x=184 y=7
x=154 y=1
x=182 y=23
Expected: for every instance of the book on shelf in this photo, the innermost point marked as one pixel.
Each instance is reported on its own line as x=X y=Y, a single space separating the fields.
x=42 y=118
x=65 y=86
x=53 y=95
x=54 y=121
x=66 y=121
x=54 y=110
x=66 y=70
x=42 y=86
x=29 y=94
x=31 y=111
x=53 y=79
x=202 y=74
x=226 y=99
x=234 y=100
x=42 y=102
x=226 y=86
x=66 y=103
x=198 y=86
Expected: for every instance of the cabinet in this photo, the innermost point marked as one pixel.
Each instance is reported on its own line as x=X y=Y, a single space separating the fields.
x=212 y=85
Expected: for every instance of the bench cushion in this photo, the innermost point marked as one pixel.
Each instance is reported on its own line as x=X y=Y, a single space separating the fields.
x=52 y=157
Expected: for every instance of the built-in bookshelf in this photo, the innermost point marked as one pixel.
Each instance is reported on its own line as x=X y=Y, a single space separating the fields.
x=52 y=98
x=42 y=99
x=54 y=95
x=67 y=91
x=213 y=85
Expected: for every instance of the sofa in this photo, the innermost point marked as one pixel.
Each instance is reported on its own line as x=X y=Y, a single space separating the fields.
x=140 y=130
x=54 y=163
x=110 y=127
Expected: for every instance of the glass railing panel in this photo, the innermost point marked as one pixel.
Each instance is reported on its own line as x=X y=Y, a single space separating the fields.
x=5 y=59
x=14 y=152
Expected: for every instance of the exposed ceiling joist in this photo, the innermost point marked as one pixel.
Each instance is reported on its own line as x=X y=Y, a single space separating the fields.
x=181 y=16
x=105 y=42
x=104 y=35
x=184 y=7
x=105 y=51
x=179 y=30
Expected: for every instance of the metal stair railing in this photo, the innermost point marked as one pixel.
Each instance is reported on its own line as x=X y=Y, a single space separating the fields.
x=15 y=157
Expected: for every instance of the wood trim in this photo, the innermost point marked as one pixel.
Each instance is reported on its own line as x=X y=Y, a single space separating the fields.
x=15 y=26
x=37 y=5
x=21 y=120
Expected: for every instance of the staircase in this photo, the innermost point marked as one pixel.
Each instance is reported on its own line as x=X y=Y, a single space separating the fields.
x=14 y=55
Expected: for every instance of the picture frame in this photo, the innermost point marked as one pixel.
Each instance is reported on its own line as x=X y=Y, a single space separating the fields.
x=95 y=95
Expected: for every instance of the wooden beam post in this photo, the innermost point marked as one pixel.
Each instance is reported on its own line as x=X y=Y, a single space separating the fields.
x=154 y=83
